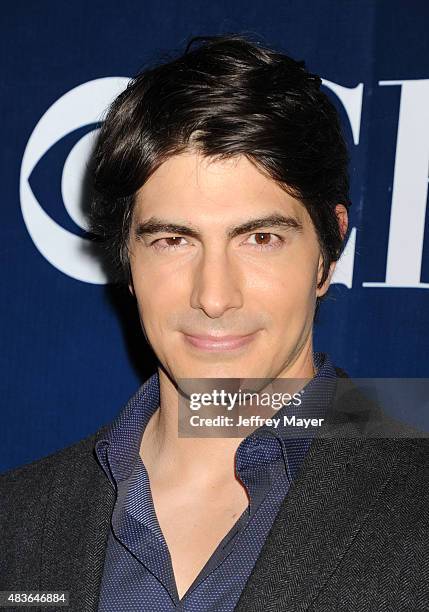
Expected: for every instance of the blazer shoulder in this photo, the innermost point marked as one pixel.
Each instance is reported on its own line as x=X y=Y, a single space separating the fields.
x=35 y=477
x=37 y=497
x=391 y=436
x=340 y=372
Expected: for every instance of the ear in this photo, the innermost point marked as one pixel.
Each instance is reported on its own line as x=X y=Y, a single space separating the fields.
x=324 y=288
x=342 y=218
x=131 y=286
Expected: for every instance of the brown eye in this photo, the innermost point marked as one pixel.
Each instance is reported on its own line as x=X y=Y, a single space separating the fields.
x=266 y=240
x=174 y=240
x=167 y=243
x=263 y=238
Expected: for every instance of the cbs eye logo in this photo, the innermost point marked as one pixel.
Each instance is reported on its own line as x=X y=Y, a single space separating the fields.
x=55 y=218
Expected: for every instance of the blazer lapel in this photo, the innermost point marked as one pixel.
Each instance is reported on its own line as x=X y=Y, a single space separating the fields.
x=77 y=527
x=340 y=479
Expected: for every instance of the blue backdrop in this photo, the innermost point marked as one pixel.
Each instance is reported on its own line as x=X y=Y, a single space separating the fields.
x=72 y=352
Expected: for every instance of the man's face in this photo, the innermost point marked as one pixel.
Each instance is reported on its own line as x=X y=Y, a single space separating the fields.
x=258 y=282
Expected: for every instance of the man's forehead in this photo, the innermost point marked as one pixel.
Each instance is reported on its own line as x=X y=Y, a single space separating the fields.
x=189 y=184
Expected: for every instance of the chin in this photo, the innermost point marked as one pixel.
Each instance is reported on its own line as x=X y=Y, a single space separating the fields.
x=220 y=370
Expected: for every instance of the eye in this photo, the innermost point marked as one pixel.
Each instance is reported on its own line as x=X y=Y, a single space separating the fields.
x=170 y=243
x=265 y=241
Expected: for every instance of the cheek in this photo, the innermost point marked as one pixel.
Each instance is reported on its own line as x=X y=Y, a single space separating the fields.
x=288 y=281
x=151 y=300
x=290 y=295
x=163 y=275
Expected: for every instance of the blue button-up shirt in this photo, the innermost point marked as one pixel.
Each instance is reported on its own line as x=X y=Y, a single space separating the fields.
x=138 y=573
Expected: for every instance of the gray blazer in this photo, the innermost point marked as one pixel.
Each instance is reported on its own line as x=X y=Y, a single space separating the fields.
x=350 y=536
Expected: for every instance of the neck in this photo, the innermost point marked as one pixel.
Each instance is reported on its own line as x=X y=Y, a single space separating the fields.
x=196 y=461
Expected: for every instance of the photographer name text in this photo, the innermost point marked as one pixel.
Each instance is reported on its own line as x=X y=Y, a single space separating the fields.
x=254 y=420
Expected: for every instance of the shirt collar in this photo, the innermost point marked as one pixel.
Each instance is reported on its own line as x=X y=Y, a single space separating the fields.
x=295 y=440
x=124 y=434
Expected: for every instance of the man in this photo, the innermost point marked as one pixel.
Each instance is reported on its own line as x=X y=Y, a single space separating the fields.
x=222 y=197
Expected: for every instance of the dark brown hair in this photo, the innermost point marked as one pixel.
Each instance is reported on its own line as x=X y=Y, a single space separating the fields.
x=224 y=96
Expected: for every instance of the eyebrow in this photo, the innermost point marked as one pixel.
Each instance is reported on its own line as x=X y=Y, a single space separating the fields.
x=155 y=225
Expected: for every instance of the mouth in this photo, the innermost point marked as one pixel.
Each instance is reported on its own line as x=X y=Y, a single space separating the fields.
x=219 y=343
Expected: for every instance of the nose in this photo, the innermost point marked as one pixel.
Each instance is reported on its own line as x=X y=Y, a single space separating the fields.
x=216 y=285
